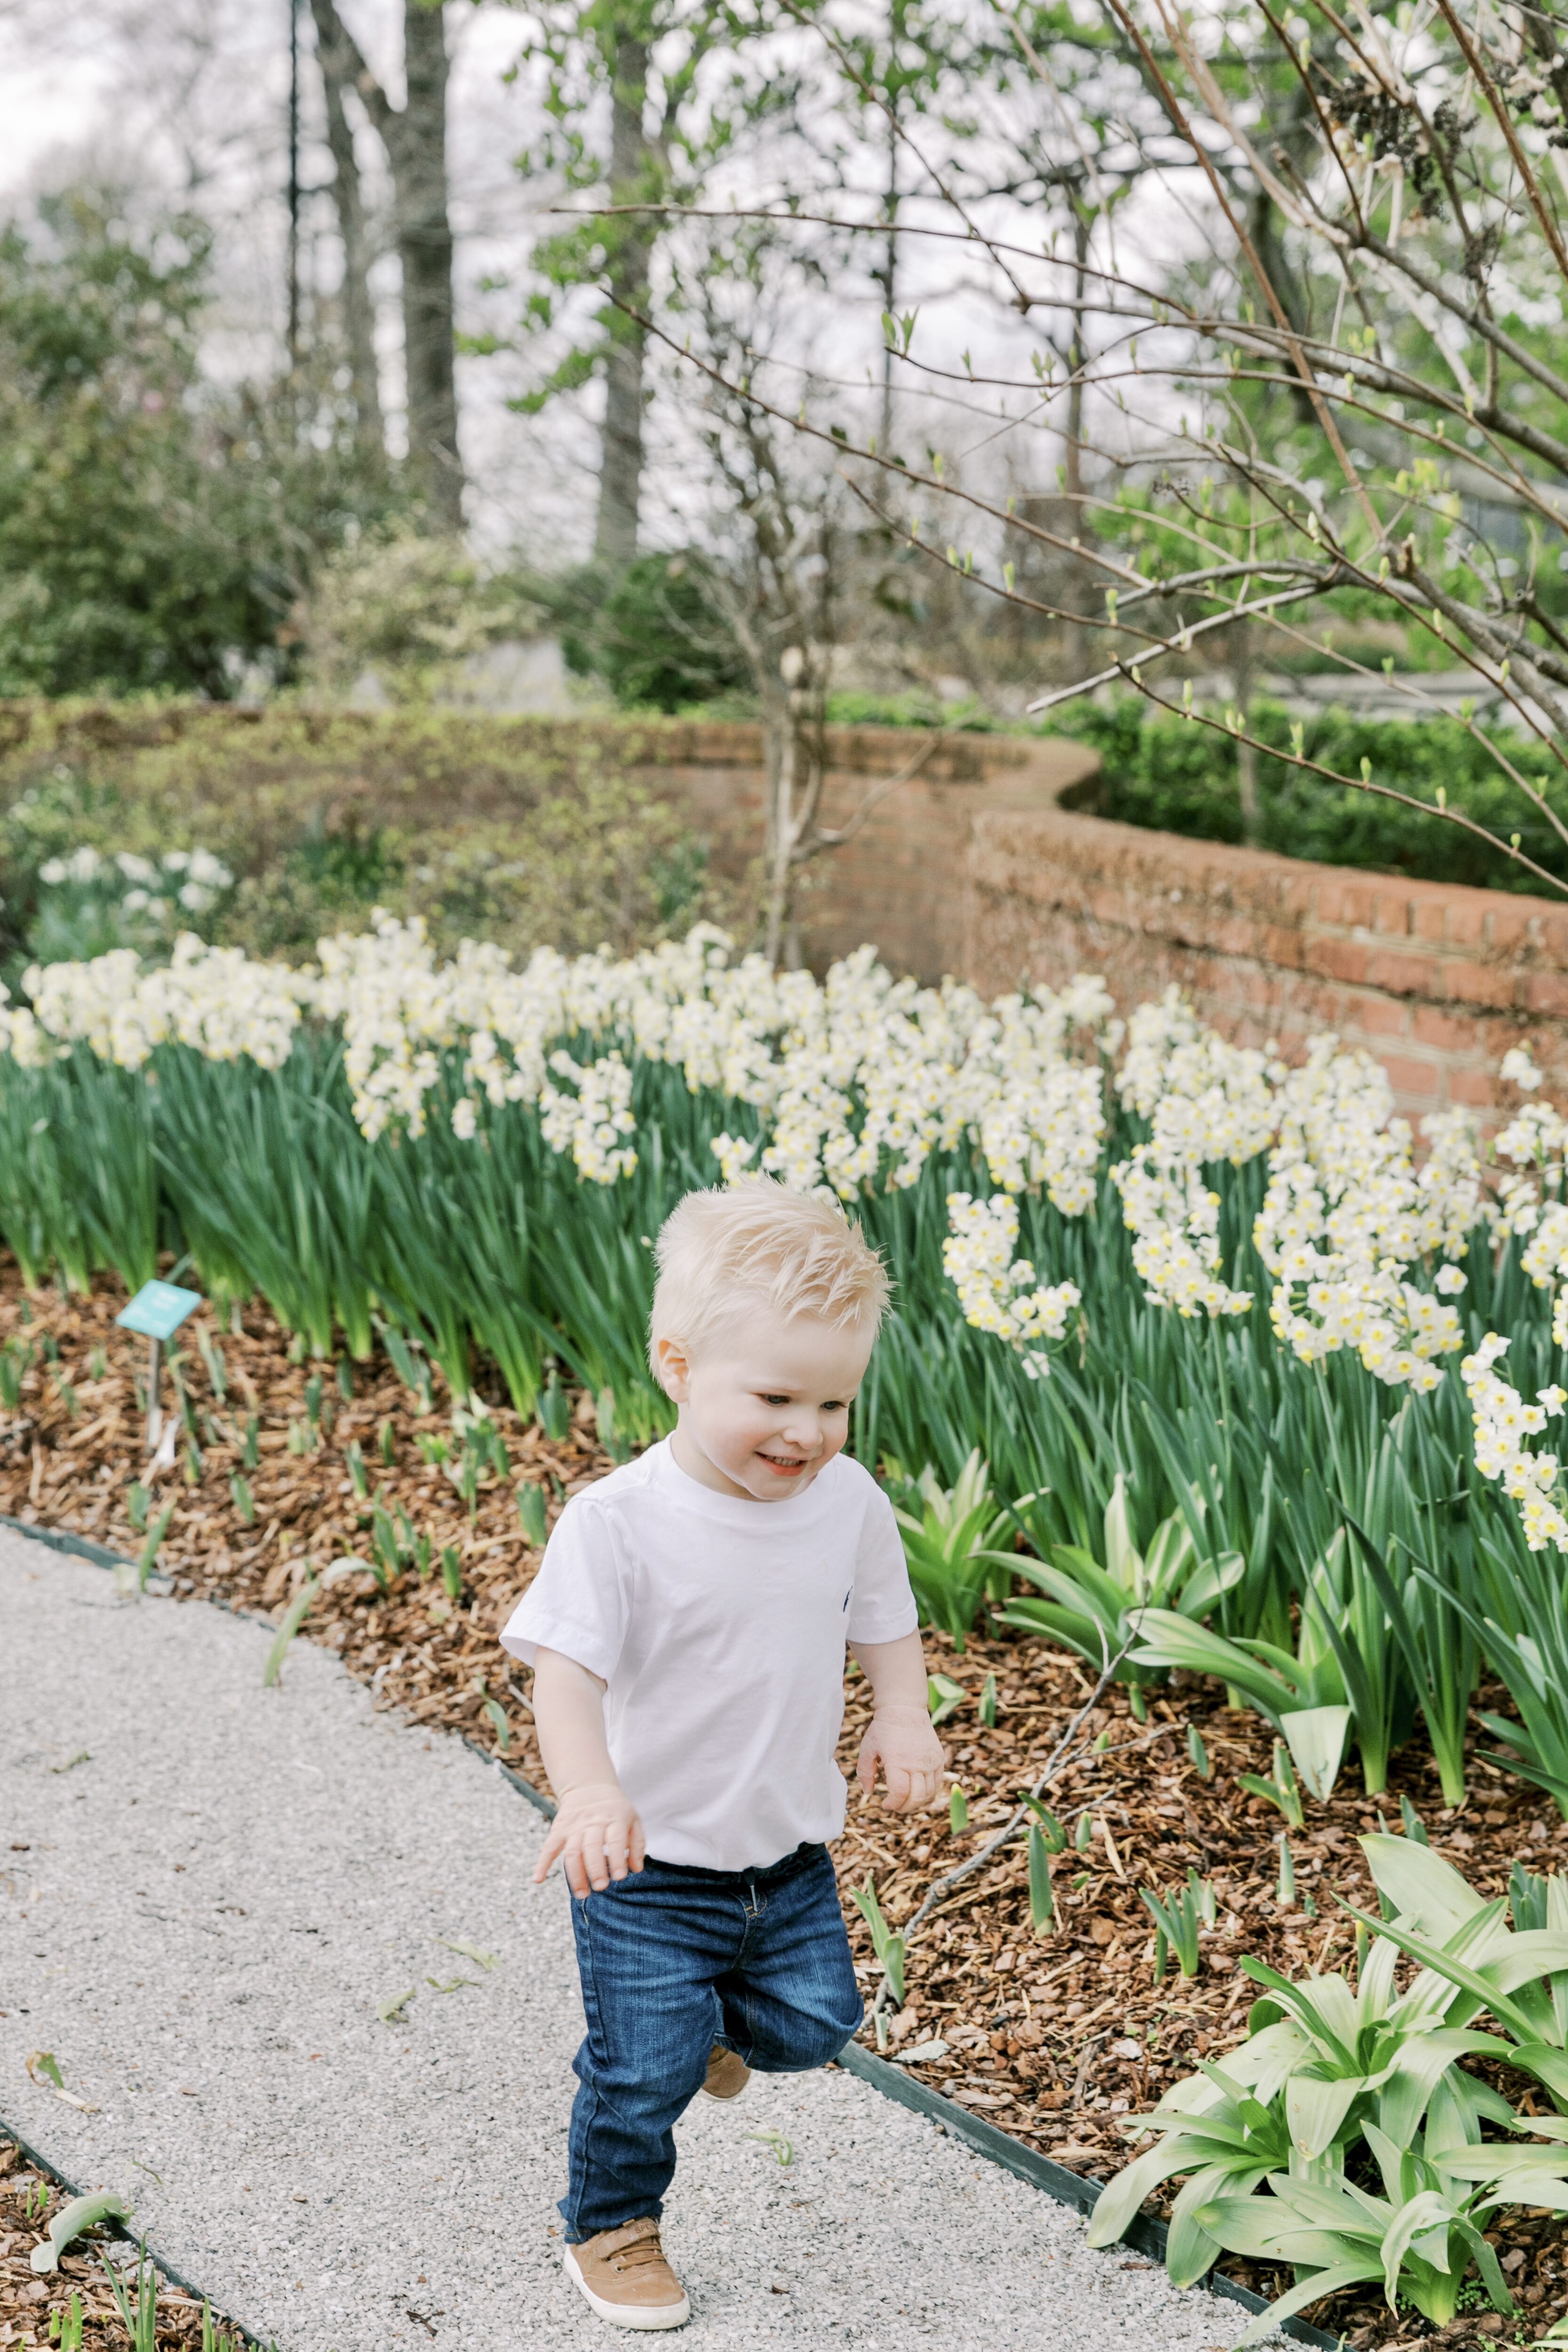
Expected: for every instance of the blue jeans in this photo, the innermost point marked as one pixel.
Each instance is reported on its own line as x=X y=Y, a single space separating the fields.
x=674 y=1960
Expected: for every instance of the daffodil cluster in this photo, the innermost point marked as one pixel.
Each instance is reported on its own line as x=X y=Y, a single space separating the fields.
x=1534 y=1144
x=21 y=1037
x=589 y=1114
x=218 y=1001
x=1343 y=1174
x=1504 y=1424
x=1173 y=1217
x=857 y=1079
x=183 y=880
x=854 y=1082
x=1327 y=1300
x=1545 y=1260
x=998 y=1292
x=1205 y=1101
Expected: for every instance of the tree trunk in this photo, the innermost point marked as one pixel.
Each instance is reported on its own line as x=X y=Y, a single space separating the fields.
x=1244 y=644
x=889 y=278
x=425 y=245
x=292 y=333
x=416 y=144
x=1263 y=226
x=779 y=747
x=630 y=243
x=348 y=199
x=1078 y=577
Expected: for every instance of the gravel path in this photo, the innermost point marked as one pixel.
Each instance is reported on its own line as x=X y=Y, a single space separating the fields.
x=211 y=1889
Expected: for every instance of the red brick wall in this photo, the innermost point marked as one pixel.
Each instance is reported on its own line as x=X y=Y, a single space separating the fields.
x=900 y=882
x=1436 y=980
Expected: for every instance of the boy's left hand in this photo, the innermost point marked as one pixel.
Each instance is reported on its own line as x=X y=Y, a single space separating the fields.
x=912 y=1759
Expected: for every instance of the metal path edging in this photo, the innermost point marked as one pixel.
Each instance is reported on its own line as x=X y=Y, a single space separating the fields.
x=118 y=2229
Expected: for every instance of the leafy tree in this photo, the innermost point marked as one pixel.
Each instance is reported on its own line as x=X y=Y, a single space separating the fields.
x=1373 y=336
x=155 y=535
x=1329 y=375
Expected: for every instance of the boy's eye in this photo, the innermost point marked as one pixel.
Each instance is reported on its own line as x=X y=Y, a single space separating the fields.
x=775 y=1399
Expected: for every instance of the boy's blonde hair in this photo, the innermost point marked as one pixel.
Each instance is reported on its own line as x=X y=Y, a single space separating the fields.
x=756 y=1243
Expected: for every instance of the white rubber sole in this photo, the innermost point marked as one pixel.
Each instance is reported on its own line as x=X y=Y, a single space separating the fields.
x=620 y=2315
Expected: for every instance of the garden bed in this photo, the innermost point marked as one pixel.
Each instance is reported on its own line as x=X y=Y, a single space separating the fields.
x=36 y=2311
x=1055 y=2037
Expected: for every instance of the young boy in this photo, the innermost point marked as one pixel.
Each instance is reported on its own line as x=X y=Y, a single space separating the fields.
x=688 y=1631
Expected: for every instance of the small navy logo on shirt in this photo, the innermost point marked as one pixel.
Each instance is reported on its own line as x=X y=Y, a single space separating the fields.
x=847 y=1599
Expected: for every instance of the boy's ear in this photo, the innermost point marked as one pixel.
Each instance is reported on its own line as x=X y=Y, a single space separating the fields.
x=674 y=1370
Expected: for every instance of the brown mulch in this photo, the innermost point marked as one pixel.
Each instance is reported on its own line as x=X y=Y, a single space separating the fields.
x=1055 y=2037
x=28 y=2304
x=437 y=1659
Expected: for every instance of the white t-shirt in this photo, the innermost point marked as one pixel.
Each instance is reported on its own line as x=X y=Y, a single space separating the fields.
x=719 y=1628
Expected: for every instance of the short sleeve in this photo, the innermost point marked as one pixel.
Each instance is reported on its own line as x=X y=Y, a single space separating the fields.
x=577 y=1602
x=883 y=1607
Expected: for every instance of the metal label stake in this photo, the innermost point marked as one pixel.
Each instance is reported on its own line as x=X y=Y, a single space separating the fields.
x=157 y=1312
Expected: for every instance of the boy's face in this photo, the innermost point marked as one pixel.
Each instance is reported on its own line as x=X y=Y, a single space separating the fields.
x=766 y=1403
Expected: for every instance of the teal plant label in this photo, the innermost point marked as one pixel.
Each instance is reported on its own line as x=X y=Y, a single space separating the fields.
x=158 y=1309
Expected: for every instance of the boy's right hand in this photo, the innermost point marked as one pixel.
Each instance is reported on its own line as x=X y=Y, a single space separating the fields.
x=595 y=1835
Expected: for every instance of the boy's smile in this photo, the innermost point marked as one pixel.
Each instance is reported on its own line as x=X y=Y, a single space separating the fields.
x=765 y=1406
x=781 y=1466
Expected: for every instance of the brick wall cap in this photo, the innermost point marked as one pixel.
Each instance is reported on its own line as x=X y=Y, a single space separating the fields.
x=1171 y=858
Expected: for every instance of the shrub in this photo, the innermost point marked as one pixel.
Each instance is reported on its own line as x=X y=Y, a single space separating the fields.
x=654 y=636
x=411 y=608
x=154 y=528
x=1179 y=777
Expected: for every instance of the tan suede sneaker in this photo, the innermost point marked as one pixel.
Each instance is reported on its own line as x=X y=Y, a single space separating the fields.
x=728 y=2075
x=623 y=2277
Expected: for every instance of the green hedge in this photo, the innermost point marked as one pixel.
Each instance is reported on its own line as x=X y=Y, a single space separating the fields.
x=1180 y=777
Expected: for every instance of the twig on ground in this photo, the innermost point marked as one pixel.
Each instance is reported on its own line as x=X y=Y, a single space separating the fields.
x=1061 y=1755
